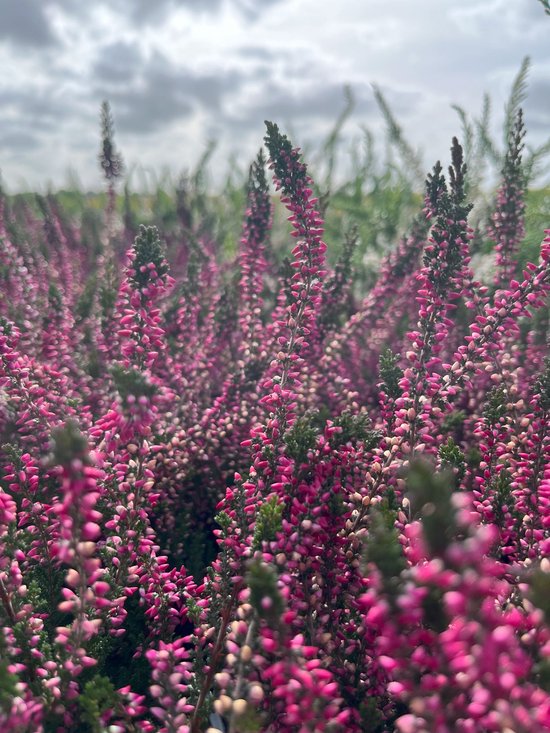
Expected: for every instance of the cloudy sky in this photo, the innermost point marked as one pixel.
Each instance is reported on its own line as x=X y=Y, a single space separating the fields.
x=181 y=72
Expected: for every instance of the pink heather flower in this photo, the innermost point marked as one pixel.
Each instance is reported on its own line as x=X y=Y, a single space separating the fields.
x=228 y=423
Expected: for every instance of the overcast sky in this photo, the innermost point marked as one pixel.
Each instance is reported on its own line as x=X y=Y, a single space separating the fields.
x=181 y=72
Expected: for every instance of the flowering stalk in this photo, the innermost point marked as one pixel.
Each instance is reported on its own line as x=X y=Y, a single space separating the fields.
x=441 y=283
x=299 y=321
x=75 y=547
x=147 y=279
x=270 y=466
x=251 y=259
x=507 y=222
x=499 y=319
x=378 y=312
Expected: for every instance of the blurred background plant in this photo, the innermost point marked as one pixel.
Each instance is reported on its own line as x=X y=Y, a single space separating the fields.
x=378 y=196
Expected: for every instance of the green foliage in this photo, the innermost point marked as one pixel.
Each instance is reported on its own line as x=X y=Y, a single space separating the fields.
x=285 y=160
x=108 y=292
x=383 y=548
x=6 y=326
x=264 y=593
x=390 y=373
x=468 y=141
x=119 y=661
x=50 y=232
x=131 y=382
x=301 y=438
x=512 y=169
x=13 y=453
x=435 y=616
x=496 y=406
x=183 y=208
x=226 y=312
x=483 y=153
x=372 y=718
x=451 y=211
x=96 y=699
x=436 y=186
x=193 y=611
x=189 y=540
x=224 y=520
x=8 y=681
x=249 y=722
x=55 y=299
x=542 y=668
x=258 y=188
x=93 y=367
x=488 y=149
x=85 y=303
x=430 y=496
x=268 y=522
x=162 y=206
x=378 y=201
x=452 y=457
x=44 y=583
x=517 y=97
x=453 y=421
x=336 y=504
x=355 y=428
x=499 y=489
x=335 y=306
x=537 y=215
x=148 y=249
x=198 y=551
x=542 y=387
x=68 y=444
x=540 y=592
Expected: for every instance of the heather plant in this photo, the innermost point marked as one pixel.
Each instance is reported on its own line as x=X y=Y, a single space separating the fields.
x=239 y=495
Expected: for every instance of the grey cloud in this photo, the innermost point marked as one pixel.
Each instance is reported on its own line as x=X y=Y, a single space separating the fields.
x=537 y=106
x=118 y=62
x=532 y=12
x=257 y=52
x=36 y=108
x=253 y=9
x=160 y=93
x=323 y=101
x=142 y=12
x=136 y=10
x=518 y=18
x=25 y=23
x=17 y=139
x=309 y=113
x=208 y=6
x=149 y=108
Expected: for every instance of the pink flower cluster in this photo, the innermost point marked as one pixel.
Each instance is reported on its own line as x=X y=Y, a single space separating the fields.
x=229 y=509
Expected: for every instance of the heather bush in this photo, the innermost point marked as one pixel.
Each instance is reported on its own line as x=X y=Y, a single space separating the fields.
x=239 y=494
